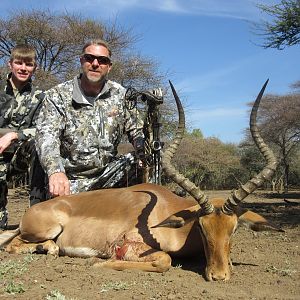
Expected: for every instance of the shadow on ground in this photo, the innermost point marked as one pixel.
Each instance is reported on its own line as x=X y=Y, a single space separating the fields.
x=284 y=213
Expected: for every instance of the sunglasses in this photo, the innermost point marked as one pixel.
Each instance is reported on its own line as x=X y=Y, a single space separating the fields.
x=102 y=60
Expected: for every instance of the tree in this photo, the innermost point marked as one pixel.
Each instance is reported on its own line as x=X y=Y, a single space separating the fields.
x=283 y=127
x=197 y=133
x=296 y=86
x=280 y=126
x=208 y=162
x=58 y=39
x=294 y=176
x=284 y=29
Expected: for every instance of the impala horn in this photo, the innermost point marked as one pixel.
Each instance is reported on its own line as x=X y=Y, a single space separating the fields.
x=169 y=169
x=267 y=173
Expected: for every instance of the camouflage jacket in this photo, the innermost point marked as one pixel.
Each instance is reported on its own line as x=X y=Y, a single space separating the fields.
x=78 y=137
x=19 y=109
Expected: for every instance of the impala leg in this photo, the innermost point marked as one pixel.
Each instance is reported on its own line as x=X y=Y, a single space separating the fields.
x=139 y=256
x=19 y=246
x=49 y=246
x=162 y=263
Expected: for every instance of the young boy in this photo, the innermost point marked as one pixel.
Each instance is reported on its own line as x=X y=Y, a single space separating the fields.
x=19 y=106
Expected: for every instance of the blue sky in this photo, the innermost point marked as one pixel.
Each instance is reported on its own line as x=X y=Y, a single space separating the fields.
x=207 y=47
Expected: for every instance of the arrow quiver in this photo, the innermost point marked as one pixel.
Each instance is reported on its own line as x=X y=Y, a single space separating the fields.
x=151 y=100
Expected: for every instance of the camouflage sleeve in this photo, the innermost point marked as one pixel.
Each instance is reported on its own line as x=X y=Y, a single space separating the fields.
x=30 y=120
x=133 y=125
x=49 y=125
x=6 y=103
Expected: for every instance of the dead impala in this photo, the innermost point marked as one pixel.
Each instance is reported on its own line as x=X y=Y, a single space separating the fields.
x=143 y=226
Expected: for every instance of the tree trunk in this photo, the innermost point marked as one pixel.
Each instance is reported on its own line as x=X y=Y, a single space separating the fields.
x=286 y=177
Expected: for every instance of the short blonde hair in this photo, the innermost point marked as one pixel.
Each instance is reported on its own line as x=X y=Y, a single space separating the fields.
x=23 y=52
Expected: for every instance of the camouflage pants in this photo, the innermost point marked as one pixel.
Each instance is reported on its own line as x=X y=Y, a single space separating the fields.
x=18 y=160
x=121 y=172
x=38 y=182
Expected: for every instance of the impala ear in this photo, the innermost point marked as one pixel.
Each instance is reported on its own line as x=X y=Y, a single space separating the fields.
x=181 y=218
x=257 y=222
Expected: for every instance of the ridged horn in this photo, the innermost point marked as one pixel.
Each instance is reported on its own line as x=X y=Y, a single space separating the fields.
x=267 y=173
x=169 y=169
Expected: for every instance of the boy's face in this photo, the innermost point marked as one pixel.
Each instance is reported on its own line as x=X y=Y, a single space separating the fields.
x=21 y=70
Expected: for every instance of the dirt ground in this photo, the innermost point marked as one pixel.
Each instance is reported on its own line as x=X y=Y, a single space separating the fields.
x=266 y=265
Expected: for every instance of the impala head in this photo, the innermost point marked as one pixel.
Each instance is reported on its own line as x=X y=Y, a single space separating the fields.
x=218 y=219
x=216 y=230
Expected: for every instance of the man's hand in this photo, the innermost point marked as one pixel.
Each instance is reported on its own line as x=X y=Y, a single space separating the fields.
x=59 y=184
x=6 y=140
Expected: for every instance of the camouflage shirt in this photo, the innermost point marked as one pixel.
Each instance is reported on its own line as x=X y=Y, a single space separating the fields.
x=80 y=136
x=19 y=109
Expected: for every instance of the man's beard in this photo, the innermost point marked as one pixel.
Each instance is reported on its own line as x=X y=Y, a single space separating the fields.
x=95 y=79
